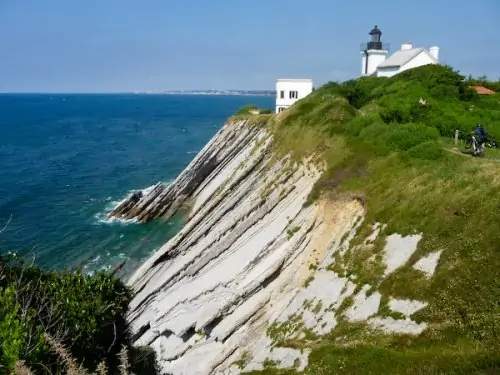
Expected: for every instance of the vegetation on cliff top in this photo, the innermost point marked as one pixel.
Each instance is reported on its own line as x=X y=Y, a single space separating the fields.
x=385 y=140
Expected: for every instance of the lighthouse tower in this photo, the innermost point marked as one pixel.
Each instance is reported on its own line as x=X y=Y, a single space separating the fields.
x=373 y=53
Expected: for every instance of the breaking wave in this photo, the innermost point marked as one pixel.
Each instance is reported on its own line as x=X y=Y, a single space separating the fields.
x=102 y=217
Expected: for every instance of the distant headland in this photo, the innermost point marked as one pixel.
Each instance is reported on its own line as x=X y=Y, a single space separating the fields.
x=212 y=92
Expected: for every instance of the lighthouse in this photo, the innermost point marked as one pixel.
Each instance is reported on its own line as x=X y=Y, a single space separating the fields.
x=373 y=53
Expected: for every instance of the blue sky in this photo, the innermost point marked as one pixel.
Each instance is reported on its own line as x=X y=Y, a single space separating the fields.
x=125 y=45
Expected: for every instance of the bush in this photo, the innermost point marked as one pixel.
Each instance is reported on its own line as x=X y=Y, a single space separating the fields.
x=397 y=137
x=265 y=111
x=322 y=114
x=358 y=124
x=360 y=92
x=246 y=109
x=12 y=329
x=430 y=150
x=85 y=313
x=435 y=97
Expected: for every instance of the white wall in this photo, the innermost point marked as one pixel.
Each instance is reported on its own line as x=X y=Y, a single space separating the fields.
x=434 y=51
x=375 y=58
x=387 y=72
x=421 y=59
x=406 y=46
x=303 y=87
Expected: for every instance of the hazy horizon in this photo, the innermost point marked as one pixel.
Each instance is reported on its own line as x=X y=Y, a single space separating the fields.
x=156 y=92
x=126 y=47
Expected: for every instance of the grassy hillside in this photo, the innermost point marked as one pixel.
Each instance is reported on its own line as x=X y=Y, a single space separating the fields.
x=385 y=140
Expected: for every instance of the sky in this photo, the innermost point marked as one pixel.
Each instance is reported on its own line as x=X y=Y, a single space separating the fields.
x=129 y=45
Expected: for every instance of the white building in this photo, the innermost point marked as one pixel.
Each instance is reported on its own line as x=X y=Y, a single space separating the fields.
x=374 y=59
x=288 y=91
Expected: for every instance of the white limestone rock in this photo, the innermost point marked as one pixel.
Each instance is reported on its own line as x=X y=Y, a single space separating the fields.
x=405 y=306
x=428 y=264
x=314 y=303
x=398 y=250
x=391 y=325
x=363 y=306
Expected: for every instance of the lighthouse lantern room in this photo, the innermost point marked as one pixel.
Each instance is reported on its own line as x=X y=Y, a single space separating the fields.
x=373 y=53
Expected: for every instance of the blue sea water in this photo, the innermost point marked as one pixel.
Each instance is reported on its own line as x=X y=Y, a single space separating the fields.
x=66 y=160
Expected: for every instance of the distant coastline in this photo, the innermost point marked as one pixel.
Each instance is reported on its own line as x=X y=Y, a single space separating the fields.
x=166 y=92
x=211 y=92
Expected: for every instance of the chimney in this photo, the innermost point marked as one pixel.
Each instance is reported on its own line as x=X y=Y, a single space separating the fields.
x=434 y=51
x=405 y=46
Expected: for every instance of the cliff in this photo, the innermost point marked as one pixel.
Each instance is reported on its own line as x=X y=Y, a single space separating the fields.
x=330 y=238
x=247 y=242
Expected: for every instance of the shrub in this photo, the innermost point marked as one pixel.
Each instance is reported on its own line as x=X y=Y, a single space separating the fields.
x=433 y=95
x=397 y=137
x=265 y=111
x=429 y=150
x=359 y=92
x=321 y=112
x=358 y=123
x=12 y=329
x=246 y=109
x=86 y=313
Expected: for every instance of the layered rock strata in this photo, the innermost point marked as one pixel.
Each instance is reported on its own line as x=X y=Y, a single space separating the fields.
x=163 y=202
x=251 y=267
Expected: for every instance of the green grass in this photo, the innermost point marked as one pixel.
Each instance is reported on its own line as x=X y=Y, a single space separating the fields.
x=318 y=307
x=245 y=358
x=291 y=231
x=377 y=142
x=308 y=281
x=279 y=332
x=449 y=143
x=260 y=120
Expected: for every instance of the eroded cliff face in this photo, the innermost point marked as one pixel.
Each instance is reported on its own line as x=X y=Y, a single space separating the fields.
x=251 y=268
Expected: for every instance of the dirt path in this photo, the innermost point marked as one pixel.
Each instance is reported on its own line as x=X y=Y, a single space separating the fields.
x=458 y=152
x=455 y=151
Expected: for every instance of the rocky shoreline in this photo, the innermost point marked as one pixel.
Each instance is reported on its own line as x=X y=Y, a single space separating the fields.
x=163 y=202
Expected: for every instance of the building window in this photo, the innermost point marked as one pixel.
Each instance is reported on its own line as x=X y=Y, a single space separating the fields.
x=294 y=94
x=281 y=109
x=282 y=94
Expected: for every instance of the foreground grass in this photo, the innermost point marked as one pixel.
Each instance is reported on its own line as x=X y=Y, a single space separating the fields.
x=362 y=135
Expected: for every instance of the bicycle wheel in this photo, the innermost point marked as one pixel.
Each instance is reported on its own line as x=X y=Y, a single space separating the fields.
x=468 y=142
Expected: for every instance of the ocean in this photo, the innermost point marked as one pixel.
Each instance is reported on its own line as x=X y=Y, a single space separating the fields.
x=66 y=160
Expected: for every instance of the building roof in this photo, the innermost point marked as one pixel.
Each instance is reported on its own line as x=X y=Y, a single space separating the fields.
x=294 y=80
x=402 y=57
x=481 y=90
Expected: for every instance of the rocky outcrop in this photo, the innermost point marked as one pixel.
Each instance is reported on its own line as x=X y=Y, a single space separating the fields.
x=163 y=202
x=252 y=265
